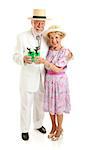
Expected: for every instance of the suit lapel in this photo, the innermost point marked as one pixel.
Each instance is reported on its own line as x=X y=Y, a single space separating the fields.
x=43 y=49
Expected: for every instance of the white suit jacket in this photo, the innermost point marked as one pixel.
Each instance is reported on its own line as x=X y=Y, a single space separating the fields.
x=30 y=73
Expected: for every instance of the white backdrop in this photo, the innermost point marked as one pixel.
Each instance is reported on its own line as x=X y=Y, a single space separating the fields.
x=81 y=20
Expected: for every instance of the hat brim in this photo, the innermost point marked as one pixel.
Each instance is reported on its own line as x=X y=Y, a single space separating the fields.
x=31 y=18
x=53 y=30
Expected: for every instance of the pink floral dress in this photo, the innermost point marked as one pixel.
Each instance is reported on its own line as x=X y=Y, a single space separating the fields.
x=57 y=99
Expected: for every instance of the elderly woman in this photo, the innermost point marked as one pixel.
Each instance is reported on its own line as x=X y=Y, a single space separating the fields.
x=57 y=99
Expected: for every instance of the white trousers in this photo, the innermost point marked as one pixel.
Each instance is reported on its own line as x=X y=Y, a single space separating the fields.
x=27 y=100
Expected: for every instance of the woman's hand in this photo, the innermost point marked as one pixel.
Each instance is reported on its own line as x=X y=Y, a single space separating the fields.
x=39 y=60
x=70 y=55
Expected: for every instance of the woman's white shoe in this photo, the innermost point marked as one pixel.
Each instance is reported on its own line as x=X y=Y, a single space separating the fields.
x=50 y=135
x=58 y=135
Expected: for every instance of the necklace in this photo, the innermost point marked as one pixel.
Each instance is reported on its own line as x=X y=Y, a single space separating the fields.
x=56 y=48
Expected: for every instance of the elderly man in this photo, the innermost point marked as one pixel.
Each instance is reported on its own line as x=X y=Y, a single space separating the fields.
x=30 y=44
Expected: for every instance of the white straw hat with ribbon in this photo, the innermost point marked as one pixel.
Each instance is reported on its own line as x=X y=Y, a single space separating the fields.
x=54 y=28
x=39 y=14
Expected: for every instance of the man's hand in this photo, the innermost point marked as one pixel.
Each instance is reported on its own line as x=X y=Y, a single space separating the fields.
x=27 y=59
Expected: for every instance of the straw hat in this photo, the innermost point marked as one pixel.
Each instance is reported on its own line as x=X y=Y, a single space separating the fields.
x=54 y=28
x=39 y=14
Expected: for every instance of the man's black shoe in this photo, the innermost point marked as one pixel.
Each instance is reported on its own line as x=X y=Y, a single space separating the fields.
x=42 y=130
x=25 y=136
